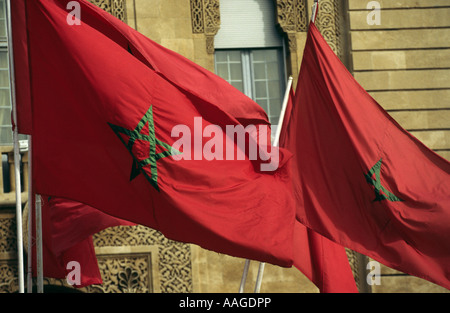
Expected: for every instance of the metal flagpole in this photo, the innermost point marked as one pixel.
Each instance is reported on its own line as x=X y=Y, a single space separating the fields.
x=259 y=277
x=283 y=112
x=30 y=218
x=16 y=154
x=275 y=144
x=244 y=276
x=39 y=255
x=314 y=11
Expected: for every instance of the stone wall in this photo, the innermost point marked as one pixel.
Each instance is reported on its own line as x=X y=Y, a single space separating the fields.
x=404 y=64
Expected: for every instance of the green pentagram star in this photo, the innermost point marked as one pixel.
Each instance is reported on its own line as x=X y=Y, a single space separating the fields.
x=381 y=193
x=136 y=136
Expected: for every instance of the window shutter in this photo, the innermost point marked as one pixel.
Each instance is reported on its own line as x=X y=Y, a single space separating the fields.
x=247 y=24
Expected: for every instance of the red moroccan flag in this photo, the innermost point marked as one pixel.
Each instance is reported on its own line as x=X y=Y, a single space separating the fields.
x=361 y=179
x=114 y=130
x=323 y=261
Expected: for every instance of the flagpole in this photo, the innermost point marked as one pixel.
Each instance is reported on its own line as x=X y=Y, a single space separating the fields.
x=283 y=112
x=259 y=277
x=277 y=137
x=314 y=11
x=244 y=276
x=39 y=254
x=19 y=230
x=30 y=218
x=275 y=144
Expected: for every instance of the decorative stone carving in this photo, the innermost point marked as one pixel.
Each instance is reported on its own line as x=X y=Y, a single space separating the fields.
x=198 y=23
x=151 y=263
x=8 y=276
x=292 y=18
x=8 y=243
x=205 y=16
x=8 y=255
x=114 y=7
x=330 y=23
x=127 y=270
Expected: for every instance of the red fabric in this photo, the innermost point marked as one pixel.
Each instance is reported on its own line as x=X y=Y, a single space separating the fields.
x=323 y=261
x=88 y=78
x=67 y=229
x=173 y=67
x=398 y=213
x=21 y=67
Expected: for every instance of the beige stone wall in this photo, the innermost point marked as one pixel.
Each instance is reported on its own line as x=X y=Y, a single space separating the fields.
x=404 y=64
x=168 y=22
x=215 y=273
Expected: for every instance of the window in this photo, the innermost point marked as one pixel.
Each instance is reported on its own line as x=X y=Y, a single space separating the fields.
x=258 y=73
x=249 y=53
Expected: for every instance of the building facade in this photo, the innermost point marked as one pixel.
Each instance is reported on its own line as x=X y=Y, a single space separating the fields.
x=399 y=51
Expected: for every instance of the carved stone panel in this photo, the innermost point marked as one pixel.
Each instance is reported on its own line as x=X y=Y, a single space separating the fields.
x=332 y=23
x=8 y=243
x=205 y=17
x=292 y=15
x=8 y=276
x=140 y=259
x=114 y=7
x=127 y=270
x=328 y=22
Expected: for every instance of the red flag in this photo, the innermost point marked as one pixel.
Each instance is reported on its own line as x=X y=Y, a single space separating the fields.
x=362 y=180
x=67 y=229
x=113 y=132
x=323 y=261
x=21 y=67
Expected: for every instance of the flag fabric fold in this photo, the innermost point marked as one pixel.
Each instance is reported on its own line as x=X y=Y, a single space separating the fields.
x=321 y=260
x=67 y=230
x=361 y=179
x=116 y=130
x=174 y=68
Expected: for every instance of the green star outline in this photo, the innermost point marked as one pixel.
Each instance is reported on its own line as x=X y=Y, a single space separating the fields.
x=134 y=135
x=376 y=169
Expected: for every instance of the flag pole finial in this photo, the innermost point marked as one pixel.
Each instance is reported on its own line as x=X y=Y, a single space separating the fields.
x=315 y=9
